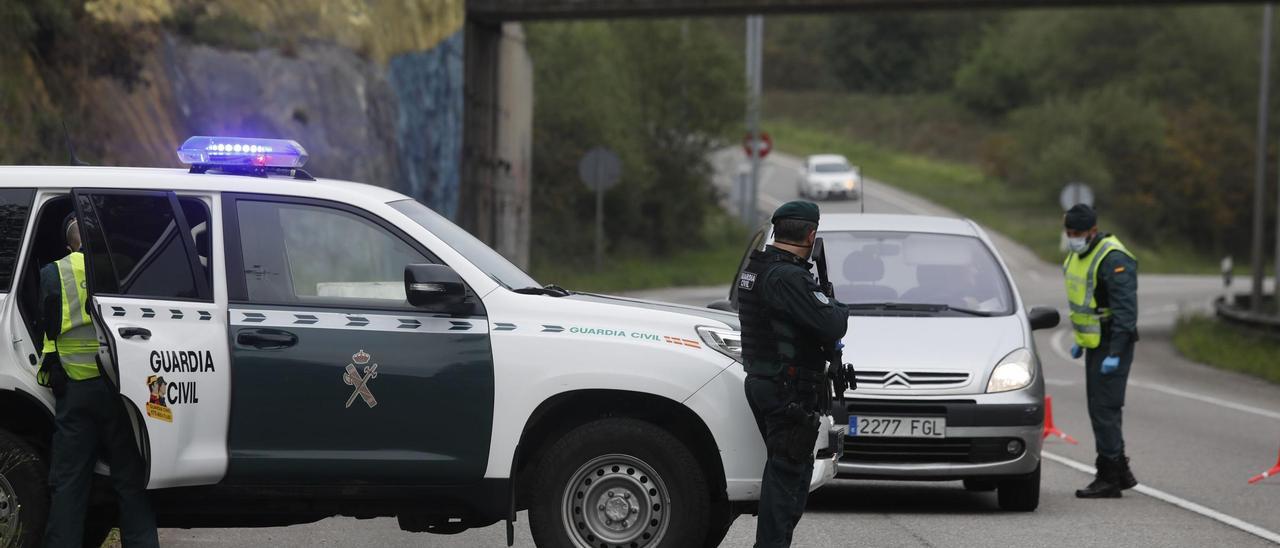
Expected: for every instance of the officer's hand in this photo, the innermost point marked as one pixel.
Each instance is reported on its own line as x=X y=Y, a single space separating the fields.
x=1110 y=365
x=1076 y=351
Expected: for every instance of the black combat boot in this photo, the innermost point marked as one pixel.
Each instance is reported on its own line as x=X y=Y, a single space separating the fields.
x=1123 y=475
x=1104 y=484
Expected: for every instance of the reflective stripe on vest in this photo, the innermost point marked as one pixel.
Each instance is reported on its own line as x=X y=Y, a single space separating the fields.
x=1082 y=281
x=77 y=343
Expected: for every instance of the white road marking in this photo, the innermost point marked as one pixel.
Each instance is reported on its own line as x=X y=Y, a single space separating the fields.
x=1176 y=501
x=1059 y=346
x=1059 y=382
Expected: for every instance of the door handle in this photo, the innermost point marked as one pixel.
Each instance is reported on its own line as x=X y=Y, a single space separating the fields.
x=266 y=339
x=138 y=332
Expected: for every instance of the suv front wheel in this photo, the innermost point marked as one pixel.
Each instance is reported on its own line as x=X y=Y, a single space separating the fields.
x=619 y=483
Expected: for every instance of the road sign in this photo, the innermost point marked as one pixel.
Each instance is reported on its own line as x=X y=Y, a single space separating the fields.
x=765 y=145
x=1075 y=193
x=600 y=168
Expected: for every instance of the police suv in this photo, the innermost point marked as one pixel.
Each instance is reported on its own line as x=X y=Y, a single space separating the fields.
x=291 y=348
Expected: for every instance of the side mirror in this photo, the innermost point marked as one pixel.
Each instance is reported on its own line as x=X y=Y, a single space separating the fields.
x=1043 y=317
x=433 y=285
x=723 y=304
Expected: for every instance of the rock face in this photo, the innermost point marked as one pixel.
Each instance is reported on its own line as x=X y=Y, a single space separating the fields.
x=340 y=107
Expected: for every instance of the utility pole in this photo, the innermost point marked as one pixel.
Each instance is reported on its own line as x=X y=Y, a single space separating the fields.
x=755 y=40
x=1259 y=183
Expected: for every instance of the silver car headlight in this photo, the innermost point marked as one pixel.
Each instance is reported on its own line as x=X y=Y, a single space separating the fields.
x=1015 y=371
x=723 y=340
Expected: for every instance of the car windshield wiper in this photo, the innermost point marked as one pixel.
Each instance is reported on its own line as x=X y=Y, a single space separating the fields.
x=551 y=290
x=917 y=307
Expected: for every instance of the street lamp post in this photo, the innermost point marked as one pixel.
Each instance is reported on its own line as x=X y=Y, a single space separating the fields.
x=1259 y=184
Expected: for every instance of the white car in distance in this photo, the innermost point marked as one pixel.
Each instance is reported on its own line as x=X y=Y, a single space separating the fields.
x=826 y=176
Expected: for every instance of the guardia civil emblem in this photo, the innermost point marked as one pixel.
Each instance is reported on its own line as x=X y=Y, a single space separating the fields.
x=358 y=375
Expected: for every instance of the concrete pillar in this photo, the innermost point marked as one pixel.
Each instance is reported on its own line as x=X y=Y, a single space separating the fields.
x=497 y=143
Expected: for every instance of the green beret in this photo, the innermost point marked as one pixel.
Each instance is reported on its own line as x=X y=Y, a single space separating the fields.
x=797 y=209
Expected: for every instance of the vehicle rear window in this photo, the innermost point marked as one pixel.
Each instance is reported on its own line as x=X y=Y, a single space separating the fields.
x=15 y=207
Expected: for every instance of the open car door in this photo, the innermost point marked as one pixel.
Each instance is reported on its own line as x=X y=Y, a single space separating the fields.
x=162 y=337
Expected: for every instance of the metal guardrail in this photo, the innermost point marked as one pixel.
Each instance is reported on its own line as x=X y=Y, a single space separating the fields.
x=1239 y=311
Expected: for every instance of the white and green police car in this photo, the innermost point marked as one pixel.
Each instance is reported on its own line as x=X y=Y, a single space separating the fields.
x=292 y=348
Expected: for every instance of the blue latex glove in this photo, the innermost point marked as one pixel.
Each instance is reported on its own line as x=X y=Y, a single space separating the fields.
x=839 y=345
x=1110 y=365
x=1076 y=351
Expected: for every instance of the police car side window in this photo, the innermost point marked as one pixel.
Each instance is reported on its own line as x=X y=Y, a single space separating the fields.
x=15 y=206
x=319 y=255
x=137 y=247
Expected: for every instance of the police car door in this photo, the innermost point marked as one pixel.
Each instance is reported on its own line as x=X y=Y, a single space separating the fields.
x=336 y=378
x=162 y=335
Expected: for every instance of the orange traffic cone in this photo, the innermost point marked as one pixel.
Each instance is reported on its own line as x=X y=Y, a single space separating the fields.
x=1049 y=428
x=1274 y=471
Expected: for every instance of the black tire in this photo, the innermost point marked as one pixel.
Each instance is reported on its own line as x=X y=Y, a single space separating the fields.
x=611 y=454
x=1020 y=494
x=979 y=485
x=24 y=493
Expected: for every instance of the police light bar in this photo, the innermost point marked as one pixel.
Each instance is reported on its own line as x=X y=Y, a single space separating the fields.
x=241 y=152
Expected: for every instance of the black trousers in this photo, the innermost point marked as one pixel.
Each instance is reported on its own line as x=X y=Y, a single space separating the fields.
x=784 y=489
x=90 y=422
x=1106 y=398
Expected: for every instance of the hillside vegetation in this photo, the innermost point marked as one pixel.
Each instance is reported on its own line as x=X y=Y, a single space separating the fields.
x=1152 y=107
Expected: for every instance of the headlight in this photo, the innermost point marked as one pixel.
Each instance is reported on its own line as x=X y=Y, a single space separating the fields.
x=723 y=340
x=1015 y=371
x=850 y=183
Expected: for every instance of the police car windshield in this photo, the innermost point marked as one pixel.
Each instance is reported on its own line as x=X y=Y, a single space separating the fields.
x=936 y=273
x=839 y=167
x=481 y=255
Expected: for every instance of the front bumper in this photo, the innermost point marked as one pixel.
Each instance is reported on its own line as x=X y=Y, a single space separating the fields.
x=977 y=442
x=827 y=452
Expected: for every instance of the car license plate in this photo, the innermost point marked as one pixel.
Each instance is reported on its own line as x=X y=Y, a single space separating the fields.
x=898 y=427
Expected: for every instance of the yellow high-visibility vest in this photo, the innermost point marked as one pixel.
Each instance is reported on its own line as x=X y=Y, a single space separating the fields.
x=1082 y=280
x=77 y=342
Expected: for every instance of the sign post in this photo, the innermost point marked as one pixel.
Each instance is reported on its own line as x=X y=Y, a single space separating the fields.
x=600 y=169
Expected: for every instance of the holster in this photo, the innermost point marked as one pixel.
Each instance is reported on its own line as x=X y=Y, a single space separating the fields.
x=796 y=432
x=52 y=375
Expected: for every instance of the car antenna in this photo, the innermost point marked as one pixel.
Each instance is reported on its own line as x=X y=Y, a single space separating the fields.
x=75 y=160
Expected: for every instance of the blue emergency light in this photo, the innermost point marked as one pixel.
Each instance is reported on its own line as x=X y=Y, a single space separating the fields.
x=240 y=153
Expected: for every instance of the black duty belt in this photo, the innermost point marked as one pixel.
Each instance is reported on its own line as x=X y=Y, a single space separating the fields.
x=793 y=372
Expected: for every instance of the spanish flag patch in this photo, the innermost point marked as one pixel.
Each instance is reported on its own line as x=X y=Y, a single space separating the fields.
x=1119 y=269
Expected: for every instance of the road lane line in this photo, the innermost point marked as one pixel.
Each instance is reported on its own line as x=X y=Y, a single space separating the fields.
x=1059 y=346
x=1176 y=501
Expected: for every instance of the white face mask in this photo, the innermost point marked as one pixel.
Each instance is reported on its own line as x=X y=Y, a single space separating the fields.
x=1076 y=245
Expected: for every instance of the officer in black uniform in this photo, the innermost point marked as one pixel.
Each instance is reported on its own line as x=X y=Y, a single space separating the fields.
x=787 y=321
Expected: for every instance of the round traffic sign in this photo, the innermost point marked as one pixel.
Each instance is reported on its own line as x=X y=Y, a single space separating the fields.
x=765 y=145
x=600 y=168
x=1075 y=193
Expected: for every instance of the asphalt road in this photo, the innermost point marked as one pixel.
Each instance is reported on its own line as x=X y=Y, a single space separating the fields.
x=1194 y=434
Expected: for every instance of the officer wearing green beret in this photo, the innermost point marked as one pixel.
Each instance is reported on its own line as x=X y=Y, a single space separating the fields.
x=1102 y=290
x=787 y=319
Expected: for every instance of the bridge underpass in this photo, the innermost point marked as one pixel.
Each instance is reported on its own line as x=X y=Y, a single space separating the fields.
x=498 y=111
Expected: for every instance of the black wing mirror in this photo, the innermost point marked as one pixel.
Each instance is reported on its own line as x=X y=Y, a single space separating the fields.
x=434 y=286
x=1043 y=317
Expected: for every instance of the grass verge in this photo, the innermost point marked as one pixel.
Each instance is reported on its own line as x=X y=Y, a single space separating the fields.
x=1027 y=217
x=713 y=264
x=1210 y=341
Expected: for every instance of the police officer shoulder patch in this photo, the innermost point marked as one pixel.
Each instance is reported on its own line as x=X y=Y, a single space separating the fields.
x=822 y=298
x=747 y=281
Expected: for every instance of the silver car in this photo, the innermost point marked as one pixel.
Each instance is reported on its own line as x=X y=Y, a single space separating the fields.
x=949 y=385
x=825 y=176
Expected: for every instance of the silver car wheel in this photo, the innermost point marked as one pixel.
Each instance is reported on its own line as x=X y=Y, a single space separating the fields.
x=616 y=501
x=9 y=513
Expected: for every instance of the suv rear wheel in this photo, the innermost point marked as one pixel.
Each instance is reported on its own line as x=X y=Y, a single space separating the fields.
x=24 y=495
x=619 y=483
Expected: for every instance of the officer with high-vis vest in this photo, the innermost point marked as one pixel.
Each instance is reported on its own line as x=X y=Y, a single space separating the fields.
x=787 y=320
x=1102 y=291
x=89 y=420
